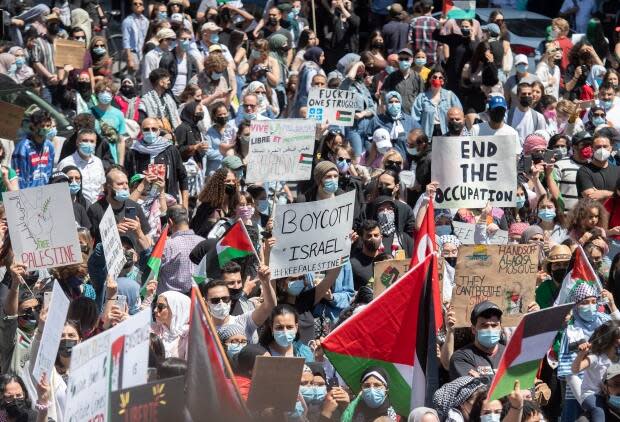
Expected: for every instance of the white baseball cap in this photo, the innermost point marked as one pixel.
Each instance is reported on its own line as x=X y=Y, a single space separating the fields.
x=381 y=138
x=520 y=58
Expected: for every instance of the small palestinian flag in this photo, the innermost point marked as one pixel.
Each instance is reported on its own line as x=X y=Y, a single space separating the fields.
x=154 y=262
x=459 y=9
x=579 y=271
x=235 y=243
x=200 y=275
x=527 y=347
x=305 y=159
x=344 y=116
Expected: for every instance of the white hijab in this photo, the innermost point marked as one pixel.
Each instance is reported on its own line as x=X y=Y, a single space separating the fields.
x=179 y=307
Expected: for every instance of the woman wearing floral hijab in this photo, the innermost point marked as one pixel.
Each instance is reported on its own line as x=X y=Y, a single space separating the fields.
x=172 y=323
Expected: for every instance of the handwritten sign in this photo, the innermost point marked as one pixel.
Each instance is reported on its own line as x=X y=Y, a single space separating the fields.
x=474 y=170
x=42 y=226
x=332 y=106
x=312 y=236
x=280 y=149
x=156 y=401
x=503 y=274
x=113 y=249
x=68 y=52
x=465 y=233
x=50 y=339
x=11 y=117
x=387 y=272
x=133 y=368
x=271 y=374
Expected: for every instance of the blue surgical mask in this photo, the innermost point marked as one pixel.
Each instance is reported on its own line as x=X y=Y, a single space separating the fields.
x=87 y=148
x=20 y=61
x=307 y=392
x=389 y=69
x=313 y=394
x=607 y=105
x=443 y=230
x=343 y=166
x=520 y=202
x=521 y=68
x=249 y=116
x=295 y=287
x=172 y=45
x=214 y=38
x=52 y=133
x=74 y=187
x=394 y=109
x=284 y=338
x=297 y=413
x=216 y=76
x=598 y=81
x=404 y=65
x=491 y=417
x=330 y=185
x=489 y=337
x=373 y=397
x=263 y=206
x=99 y=51
x=587 y=312
x=291 y=15
x=614 y=401
x=149 y=137
x=546 y=214
x=121 y=195
x=233 y=349
x=420 y=62
x=185 y=44
x=596 y=121
x=104 y=97
x=162 y=15
x=412 y=151
x=12 y=68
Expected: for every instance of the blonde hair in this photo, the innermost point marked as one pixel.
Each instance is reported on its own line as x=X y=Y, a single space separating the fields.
x=561 y=23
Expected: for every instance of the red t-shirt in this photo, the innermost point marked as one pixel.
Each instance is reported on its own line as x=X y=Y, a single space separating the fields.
x=612 y=205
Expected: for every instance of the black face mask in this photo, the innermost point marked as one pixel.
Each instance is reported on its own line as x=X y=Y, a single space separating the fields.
x=198 y=117
x=385 y=191
x=372 y=245
x=497 y=114
x=128 y=91
x=235 y=294
x=53 y=28
x=377 y=44
x=466 y=32
x=451 y=260
x=395 y=168
x=66 y=347
x=84 y=87
x=525 y=101
x=455 y=128
x=558 y=275
x=229 y=189
x=221 y=120
x=273 y=21
x=15 y=408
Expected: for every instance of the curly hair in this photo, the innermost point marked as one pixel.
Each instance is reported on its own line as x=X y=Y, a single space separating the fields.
x=214 y=191
x=580 y=212
x=215 y=63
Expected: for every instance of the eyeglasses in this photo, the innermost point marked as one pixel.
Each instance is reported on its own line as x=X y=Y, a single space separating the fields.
x=216 y=300
x=241 y=342
x=393 y=163
x=341 y=159
x=335 y=132
x=161 y=306
x=150 y=129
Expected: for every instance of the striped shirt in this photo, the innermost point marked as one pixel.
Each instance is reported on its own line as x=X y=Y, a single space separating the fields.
x=43 y=52
x=565 y=175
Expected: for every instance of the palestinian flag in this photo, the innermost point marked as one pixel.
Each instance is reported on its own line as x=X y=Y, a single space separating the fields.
x=154 y=262
x=200 y=275
x=527 y=347
x=235 y=243
x=305 y=158
x=425 y=242
x=459 y=9
x=396 y=332
x=580 y=271
x=344 y=116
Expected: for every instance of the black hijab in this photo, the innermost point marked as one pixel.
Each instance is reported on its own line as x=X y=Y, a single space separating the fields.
x=368 y=413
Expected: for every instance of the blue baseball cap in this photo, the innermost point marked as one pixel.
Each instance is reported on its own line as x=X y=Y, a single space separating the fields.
x=497 y=101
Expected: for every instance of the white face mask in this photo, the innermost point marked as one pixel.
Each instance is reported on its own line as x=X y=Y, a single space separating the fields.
x=601 y=154
x=219 y=311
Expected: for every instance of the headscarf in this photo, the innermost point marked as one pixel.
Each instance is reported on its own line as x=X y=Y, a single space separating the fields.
x=448 y=238
x=179 y=308
x=99 y=61
x=533 y=142
x=24 y=72
x=582 y=291
x=276 y=42
x=79 y=197
x=517 y=229
x=187 y=114
x=455 y=393
x=418 y=413
x=530 y=232
x=358 y=408
x=251 y=88
x=313 y=54
x=81 y=19
x=154 y=149
x=6 y=60
x=345 y=63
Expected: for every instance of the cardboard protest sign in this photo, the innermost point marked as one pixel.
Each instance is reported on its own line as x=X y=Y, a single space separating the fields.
x=130 y=351
x=474 y=170
x=311 y=236
x=50 y=339
x=161 y=400
x=280 y=149
x=503 y=274
x=275 y=374
x=112 y=247
x=68 y=52
x=387 y=272
x=11 y=117
x=42 y=226
x=465 y=233
x=332 y=106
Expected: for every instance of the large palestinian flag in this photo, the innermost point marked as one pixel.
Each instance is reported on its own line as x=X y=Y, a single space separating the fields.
x=235 y=243
x=397 y=332
x=580 y=271
x=527 y=347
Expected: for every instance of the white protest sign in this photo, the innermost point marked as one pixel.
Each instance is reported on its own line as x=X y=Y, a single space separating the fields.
x=135 y=364
x=112 y=247
x=312 y=236
x=50 y=339
x=88 y=387
x=465 y=233
x=42 y=226
x=332 y=106
x=474 y=170
x=280 y=149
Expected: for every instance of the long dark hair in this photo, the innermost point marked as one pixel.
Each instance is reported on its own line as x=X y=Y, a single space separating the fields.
x=604 y=337
x=479 y=58
x=10 y=377
x=266 y=337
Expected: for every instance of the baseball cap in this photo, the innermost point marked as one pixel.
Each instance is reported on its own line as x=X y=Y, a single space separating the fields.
x=520 y=58
x=381 y=138
x=491 y=28
x=232 y=162
x=215 y=47
x=582 y=136
x=485 y=307
x=165 y=33
x=406 y=51
x=497 y=101
x=136 y=178
x=210 y=26
x=176 y=17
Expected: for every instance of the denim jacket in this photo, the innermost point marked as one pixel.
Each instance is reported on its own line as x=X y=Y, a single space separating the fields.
x=423 y=110
x=342 y=292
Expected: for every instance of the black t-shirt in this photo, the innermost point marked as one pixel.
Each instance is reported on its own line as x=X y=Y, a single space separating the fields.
x=96 y=211
x=470 y=357
x=590 y=176
x=362 y=266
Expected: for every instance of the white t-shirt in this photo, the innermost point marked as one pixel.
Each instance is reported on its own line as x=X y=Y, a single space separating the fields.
x=181 y=81
x=593 y=375
x=93 y=174
x=483 y=129
x=523 y=122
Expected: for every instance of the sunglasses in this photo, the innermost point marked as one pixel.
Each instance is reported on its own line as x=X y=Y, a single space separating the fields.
x=393 y=163
x=216 y=300
x=341 y=159
x=161 y=306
